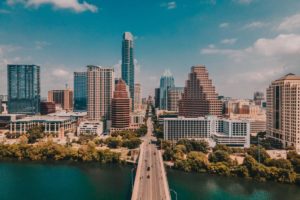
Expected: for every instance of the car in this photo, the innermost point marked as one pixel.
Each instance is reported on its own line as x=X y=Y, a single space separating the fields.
x=148 y=168
x=148 y=176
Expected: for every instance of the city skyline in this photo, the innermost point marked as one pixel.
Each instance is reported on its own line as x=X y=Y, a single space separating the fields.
x=242 y=55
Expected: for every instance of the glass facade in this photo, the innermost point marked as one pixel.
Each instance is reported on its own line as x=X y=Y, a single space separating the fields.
x=23 y=89
x=80 y=91
x=128 y=63
x=166 y=82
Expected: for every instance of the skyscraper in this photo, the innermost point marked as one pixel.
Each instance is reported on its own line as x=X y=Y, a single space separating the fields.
x=128 y=63
x=199 y=97
x=100 y=87
x=121 y=106
x=63 y=98
x=166 y=82
x=283 y=111
x=174 y=95
x=157 y=97
x=80 y=91
x=137 y=97
x=23 y=89
x=258 y=98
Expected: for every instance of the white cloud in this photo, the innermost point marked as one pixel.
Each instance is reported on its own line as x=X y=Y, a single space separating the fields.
x=244 y=2
x=254 y=67
x=282 y=45
x=169 y=5
x=254 y=25
x=60 y=72
x=223 y=25
x=41 y=44
x=229 y=41
x=75 y=5
x=290 y=23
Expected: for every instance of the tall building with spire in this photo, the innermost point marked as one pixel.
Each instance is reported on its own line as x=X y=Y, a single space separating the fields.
x=100 y=87
x=121 y=106
x=166 y=82
x=283 y=111
x=199 y=97
x=128 y=63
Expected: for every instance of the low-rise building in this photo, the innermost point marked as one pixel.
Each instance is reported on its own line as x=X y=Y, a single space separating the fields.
x=222 y=131
x=5 y=119
x=137 y=119
x=90 y=128
x=47 y=107
x=58 y=126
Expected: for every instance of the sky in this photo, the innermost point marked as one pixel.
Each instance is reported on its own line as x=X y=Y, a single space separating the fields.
x=245 y=44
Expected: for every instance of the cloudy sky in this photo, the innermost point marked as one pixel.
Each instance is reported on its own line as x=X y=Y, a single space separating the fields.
x=245 y=44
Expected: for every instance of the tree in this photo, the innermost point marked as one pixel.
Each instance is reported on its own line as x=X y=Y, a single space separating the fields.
x=222 y=147
x=220 y=156
x=35 y=133
x=259 y=153
x=280 y=163
x=198 y=161
x=113 y=142
x=168 y=154
x=219 y=168
x=132 y=143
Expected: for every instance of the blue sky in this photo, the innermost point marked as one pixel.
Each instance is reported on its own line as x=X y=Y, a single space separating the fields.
x=245 y=44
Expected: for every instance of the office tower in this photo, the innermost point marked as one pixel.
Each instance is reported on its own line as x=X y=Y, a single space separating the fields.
x=199 y=97
x=121 y=106
x=166 y=82
x=62 y=98
x=283 y=114
x=174 y=95
x=137 y=97
x=128 y=63
x=157 y=97
x=259 y=98
x=80 y=91
x=47 y=108
x=100 y=87
x=23 y=89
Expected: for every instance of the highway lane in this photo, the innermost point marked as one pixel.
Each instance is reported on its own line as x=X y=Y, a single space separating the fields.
x=150 y=185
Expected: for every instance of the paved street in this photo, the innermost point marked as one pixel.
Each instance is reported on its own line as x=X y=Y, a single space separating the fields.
x=151 y=183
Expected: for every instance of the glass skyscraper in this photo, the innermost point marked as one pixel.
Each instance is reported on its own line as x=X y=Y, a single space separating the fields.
x=128 y=63
x=80 y=91
x=166 y=82
x=23 y=89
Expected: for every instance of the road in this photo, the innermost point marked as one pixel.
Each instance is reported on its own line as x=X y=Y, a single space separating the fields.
x=150 y=182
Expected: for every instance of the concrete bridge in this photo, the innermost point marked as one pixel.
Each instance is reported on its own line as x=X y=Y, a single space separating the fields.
x=150 y=181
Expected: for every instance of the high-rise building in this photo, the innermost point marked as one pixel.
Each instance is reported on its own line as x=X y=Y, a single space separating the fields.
x=100 y=87
x=283 y=111
x=259 y=98
x=199 y=97
x=62 y=98
x=80 y=91
x=166 y=82
x=121 y=106
x=157 y=97
x=128 y=63
x=137 y=97
x=174 y=95
x=47 y=108
x=23 y=89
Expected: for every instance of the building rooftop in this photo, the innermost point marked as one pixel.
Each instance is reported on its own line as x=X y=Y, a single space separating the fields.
x=290 y=76
x=43 y=119
x=127 y=36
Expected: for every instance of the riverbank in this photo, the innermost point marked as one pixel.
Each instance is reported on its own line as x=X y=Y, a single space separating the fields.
x=253 y=163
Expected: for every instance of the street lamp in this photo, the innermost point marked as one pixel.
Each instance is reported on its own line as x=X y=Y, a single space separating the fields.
x=171 y=190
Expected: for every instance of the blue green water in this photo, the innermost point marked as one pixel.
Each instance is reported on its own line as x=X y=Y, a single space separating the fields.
x=32 y=181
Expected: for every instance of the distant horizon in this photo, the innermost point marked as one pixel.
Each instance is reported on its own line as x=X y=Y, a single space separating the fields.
x=245 y=44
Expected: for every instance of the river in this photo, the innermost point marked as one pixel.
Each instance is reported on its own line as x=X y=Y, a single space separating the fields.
x=33 y=181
